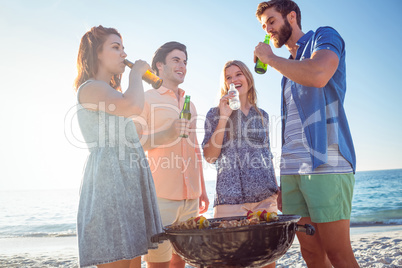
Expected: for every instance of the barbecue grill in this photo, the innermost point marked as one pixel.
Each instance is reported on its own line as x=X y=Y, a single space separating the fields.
x=244 y=246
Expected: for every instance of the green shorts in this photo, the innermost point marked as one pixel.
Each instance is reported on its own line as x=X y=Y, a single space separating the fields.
x=322 y=197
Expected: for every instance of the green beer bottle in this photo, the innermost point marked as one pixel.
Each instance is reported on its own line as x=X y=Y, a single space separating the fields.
x=185 y=113
x=261 y=68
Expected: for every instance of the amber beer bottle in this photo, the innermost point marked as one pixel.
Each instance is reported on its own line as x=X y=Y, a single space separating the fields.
x=260 y=67
x=185 y=112
x=148 y=76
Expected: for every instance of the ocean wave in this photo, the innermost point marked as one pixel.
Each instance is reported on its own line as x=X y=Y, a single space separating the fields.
x=376 y=222
x=61 y=233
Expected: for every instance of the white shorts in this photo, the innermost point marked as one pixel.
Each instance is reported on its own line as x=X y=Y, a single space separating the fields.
x=269 y=204
x=171 y=211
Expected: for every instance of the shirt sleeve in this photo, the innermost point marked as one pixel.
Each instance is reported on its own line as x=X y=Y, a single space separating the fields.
x=329 y=38
x=211 y=122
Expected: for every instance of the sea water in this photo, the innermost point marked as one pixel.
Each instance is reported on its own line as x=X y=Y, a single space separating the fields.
x=377 y=200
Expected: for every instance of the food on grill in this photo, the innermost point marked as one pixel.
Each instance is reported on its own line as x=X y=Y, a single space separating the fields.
x=252 y=219
x=262 y=215
x=238 y=223
x=199 y=222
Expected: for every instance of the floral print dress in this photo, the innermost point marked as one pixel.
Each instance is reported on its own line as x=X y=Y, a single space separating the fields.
x=245 y=173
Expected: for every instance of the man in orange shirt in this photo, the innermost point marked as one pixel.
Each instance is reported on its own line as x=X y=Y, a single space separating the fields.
x=175 y=162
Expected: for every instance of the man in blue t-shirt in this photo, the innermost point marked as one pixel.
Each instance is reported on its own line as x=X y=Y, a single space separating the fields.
x=318 y=160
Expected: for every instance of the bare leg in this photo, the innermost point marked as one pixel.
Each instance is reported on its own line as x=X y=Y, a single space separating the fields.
x=330 y=246
x=158 y=264
x=134 y=263
x=177 y=262
x=312 y=251
x=271 y=265
x=337 y=243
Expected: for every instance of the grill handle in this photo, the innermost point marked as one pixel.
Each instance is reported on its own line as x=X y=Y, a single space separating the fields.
x=159 y=238
x=307 y=228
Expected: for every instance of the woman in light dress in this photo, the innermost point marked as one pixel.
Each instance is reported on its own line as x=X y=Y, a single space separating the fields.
x=118 y=211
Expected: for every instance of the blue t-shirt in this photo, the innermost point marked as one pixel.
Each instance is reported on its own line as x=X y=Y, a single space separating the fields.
x=245 y=173
x=321 y=109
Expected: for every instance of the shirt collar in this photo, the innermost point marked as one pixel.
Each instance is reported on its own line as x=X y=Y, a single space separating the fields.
x=301 y=43
x=163 y=90
x=303 y=40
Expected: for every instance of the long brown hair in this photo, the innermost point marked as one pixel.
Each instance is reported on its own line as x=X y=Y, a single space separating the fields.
x=87 y=61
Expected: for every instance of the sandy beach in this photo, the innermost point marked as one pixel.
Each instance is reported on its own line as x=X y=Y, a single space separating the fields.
x=378 y=246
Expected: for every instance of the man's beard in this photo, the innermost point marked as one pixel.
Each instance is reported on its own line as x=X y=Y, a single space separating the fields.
x=284 y=34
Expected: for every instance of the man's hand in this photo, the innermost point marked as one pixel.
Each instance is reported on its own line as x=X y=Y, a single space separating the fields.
x=179 y=127
x=263 y=52
x=203 y=203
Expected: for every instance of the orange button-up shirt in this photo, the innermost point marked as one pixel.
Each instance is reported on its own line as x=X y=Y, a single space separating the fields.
x=176 y=167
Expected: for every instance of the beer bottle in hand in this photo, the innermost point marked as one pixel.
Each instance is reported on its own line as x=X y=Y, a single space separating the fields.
x=185 y=113
x=234 y=103
x=260 y=67
x=148 y=76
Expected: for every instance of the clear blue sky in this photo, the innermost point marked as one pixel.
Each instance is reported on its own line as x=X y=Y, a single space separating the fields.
x=39 y=46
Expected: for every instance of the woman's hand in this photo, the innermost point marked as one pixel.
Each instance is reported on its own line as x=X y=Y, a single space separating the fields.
x=224 y=109
x=139 y=68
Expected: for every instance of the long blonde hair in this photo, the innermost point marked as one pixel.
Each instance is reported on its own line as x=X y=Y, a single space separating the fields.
x=252 y=93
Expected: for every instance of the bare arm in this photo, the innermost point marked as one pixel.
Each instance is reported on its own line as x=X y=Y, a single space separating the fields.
x=212 y=148
x=313 y=72
x=203 y=200
x=99 y=95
